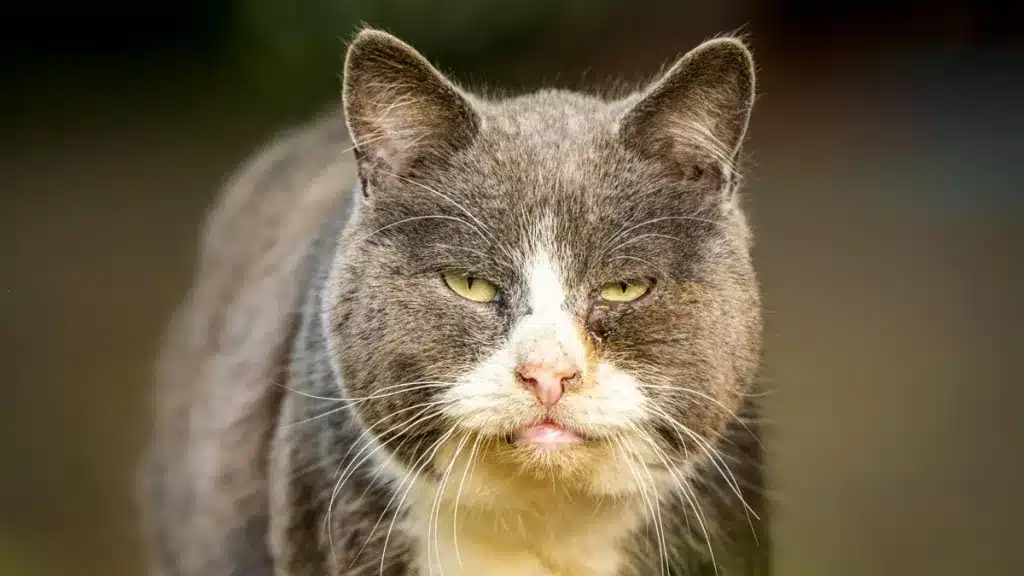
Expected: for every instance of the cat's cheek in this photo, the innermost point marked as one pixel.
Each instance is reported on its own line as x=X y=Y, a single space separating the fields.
x=486 y=398
x=615 y=401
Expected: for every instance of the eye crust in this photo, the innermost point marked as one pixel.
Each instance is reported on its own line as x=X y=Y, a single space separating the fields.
x=603 y=316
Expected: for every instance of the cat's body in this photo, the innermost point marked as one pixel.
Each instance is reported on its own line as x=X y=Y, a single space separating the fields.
x=319 y=300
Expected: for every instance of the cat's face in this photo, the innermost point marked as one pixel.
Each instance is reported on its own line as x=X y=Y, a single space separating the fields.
x=555 y=284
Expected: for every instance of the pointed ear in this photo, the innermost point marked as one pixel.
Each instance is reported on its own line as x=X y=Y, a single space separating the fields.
x=696 y=114
x=399 y=108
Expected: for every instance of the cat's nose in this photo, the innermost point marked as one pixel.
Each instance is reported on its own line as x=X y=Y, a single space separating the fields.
x=548 y=381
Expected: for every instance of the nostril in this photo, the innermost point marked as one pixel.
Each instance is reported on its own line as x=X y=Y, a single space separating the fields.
x=529 y=381
x=548 y=382
x=524 y=372
x=533 y=376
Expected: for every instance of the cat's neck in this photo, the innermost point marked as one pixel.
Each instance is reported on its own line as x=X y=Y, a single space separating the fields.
x=572 y=535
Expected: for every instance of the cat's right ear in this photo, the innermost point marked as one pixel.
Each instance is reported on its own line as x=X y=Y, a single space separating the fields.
x=399 y=108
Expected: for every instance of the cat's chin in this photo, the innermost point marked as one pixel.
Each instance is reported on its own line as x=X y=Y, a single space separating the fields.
x=583 y=465
x=532 y=465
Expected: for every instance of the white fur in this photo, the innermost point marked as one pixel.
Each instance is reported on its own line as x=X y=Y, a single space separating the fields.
x=554 y=534
x=548 y=333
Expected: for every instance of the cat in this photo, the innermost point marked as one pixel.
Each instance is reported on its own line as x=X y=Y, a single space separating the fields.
x=441 y=333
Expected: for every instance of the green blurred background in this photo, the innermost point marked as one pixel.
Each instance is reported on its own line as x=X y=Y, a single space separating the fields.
x=885 y=188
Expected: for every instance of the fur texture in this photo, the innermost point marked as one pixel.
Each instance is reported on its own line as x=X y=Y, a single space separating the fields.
x=330 y=406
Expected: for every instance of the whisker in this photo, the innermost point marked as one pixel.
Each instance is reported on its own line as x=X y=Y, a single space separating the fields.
x=619 y=232
x=714 y=455
x=657 y=505
x=642 y=487
x=354 y=401
x=458 y=495
x=307 y=395
x=481 y=230
x=642 y=236
x=409 y=387
x=656 y=220
x=381 y=517
x=691 y=497
x=428 y=455
x=435 y=512
x=715 y=401
x=312 y=418
x=415 y=218
x=648 y=262
x=353 y=466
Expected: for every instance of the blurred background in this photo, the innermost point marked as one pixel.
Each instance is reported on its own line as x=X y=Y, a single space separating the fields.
x=884 y=185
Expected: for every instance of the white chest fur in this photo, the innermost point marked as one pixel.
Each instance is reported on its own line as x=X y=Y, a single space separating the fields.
x=546 y=532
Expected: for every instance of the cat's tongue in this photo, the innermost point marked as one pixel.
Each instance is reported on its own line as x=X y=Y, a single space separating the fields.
x=546 y=436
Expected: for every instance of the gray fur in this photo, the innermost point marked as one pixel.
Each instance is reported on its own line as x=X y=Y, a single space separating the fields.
x=641 y=187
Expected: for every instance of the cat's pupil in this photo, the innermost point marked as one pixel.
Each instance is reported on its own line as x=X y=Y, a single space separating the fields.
x=469 y=283
x=623 y=286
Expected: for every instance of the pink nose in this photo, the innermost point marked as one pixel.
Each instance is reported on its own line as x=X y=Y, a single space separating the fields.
x=548 y=381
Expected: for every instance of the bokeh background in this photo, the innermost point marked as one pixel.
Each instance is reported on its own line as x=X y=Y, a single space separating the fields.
x=885 y=186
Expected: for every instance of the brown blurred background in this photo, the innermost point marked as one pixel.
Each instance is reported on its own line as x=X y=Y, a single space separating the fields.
x=885 y=187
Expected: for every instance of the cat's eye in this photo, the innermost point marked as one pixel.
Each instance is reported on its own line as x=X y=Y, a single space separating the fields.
x=624 y=290
x=475 y=289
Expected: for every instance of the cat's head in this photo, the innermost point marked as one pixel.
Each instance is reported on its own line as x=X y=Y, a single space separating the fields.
x=563 y=277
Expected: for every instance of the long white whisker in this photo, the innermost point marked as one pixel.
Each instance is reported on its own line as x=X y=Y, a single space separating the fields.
x=660 y=523
x=691 y=496
x=640 y=485
x=436 y=508
x=428 y=456
x=307 y=395
x=709 y=399
x=357 y=399
x=354 y=401
x=715 y=457
x=458 y=495
x=384 y=513
x=416 y=385
x=356 y=462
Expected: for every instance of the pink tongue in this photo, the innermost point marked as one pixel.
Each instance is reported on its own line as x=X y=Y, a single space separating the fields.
x=546 y=436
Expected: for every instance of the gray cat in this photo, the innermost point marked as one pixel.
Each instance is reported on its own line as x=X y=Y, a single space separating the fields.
x=508 y=337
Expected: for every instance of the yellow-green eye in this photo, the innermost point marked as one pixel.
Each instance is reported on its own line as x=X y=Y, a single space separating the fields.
x=476 y=289
x=623 y=291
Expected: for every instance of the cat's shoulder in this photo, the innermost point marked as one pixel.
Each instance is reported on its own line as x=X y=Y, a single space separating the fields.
x=280 y=195
x=254 y=238
x=220 y=358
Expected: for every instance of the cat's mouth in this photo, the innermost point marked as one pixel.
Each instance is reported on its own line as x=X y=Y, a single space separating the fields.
x=546 y=435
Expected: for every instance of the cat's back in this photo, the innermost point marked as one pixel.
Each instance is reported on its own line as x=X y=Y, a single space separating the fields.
x=274 y=205
x=221 y=357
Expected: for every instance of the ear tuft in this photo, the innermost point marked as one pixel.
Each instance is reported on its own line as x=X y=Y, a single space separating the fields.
x=697 y=112
x=399 y=108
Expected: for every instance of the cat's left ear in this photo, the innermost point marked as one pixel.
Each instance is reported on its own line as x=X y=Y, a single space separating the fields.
x=696 y=114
